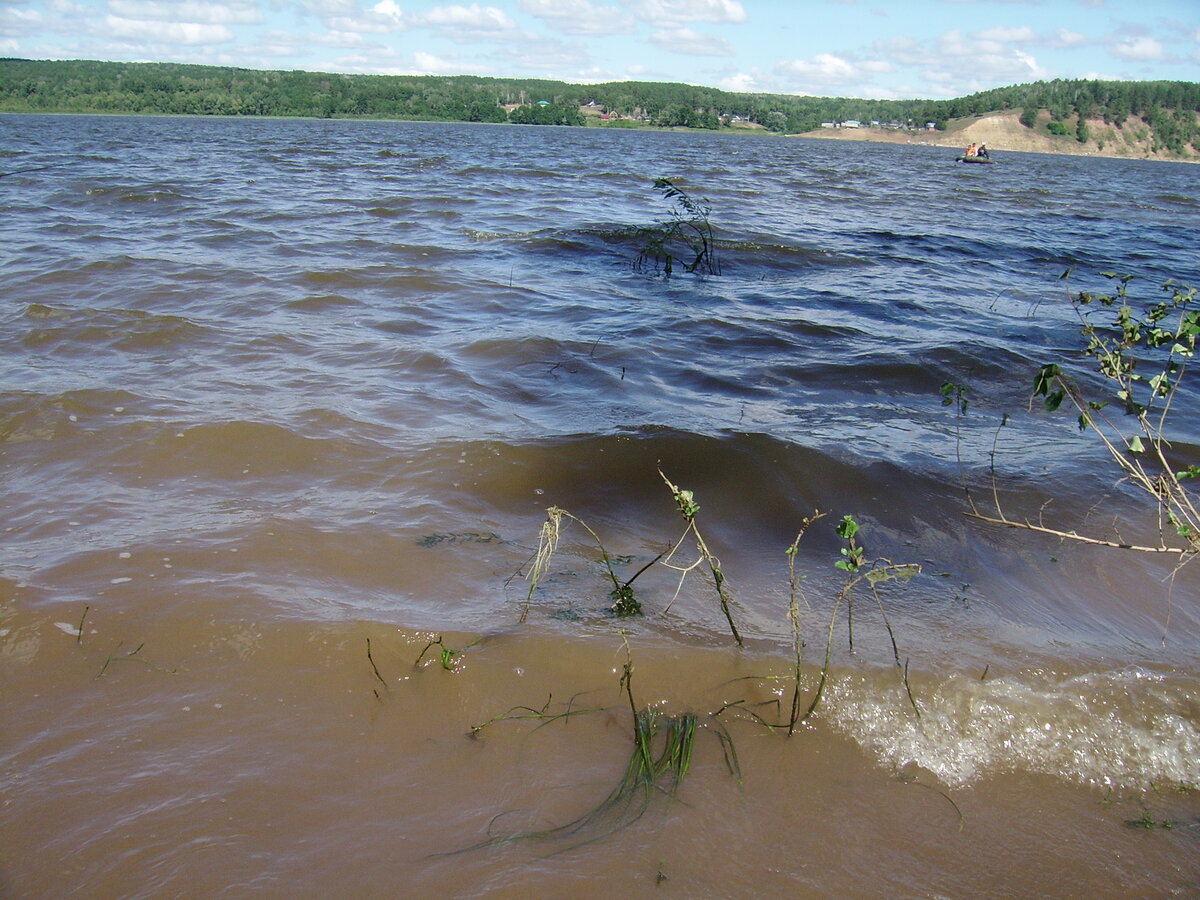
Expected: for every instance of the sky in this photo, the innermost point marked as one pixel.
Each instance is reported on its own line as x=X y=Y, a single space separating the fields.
x=927 y=49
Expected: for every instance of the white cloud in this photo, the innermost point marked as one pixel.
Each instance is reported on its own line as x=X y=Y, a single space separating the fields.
x=672 y=11
x=579 y=16
x=389 y=9
x=189 y=11
x=473 y=17
x=549 y=56
x=322 y=8
x=428 y=64
x=12 y=16
x=824 y=68
x=958 y=64
x=743 y=83
x=190 y=33
x=690 y=42
x=1065 y=38
x=1140 y=49
x=1023 y=34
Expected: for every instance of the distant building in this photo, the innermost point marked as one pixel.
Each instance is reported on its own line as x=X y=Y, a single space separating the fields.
x=828 y=125
x=852 y=123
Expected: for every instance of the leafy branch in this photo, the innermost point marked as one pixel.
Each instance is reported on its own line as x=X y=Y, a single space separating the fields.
x=1143 y=356
x=686 y=232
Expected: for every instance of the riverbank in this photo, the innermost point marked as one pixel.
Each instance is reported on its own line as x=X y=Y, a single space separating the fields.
x=1003 y=131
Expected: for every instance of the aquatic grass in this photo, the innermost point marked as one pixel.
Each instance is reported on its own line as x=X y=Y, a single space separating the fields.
x=624 y=602
x=375 y=669
x=659 y=760
x=446 y=655
x=541 y=714
x=132 y=656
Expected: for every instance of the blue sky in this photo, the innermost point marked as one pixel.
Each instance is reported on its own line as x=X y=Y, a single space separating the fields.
x=855 y=48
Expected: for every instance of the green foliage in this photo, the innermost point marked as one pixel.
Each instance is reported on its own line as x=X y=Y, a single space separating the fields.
x=551 y=114
x=177 y=89
x=847 y=529
x=1142 y=356
x=1058 y=129
x=955 y=394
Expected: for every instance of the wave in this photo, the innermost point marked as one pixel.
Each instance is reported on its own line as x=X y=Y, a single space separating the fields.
x=50 y=328
x=1129 y=728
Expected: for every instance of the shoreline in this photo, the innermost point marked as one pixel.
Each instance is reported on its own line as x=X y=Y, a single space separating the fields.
x=1004 y=133
x=1000 y=131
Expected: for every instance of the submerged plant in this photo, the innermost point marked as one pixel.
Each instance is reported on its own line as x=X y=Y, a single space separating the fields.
x=659 y=760
x=859 y=570
x=624 y=601
x=794 y=595
x=685 y=236
x=688 y=507
x=446 y=655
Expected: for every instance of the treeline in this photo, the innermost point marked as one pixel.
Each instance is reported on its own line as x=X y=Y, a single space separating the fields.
x=1167 y=107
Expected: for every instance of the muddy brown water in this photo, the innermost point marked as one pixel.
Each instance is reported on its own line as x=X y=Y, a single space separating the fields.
x=277 y=394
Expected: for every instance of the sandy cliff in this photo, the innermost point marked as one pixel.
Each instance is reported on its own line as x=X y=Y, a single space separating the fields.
x=1002 y=131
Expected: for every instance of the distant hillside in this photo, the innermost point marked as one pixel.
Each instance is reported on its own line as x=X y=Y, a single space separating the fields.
x=1166 y=110
x=1133 y=139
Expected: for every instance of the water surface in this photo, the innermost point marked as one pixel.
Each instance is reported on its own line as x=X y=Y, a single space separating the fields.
x=275 y=389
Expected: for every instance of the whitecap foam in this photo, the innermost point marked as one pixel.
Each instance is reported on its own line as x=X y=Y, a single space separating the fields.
x=1126 y=728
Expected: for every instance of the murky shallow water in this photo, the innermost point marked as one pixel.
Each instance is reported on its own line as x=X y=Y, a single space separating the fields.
x=273 y=390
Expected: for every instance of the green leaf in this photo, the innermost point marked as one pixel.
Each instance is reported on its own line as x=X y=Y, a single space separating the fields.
x=847 y=528
x=1045 y=375
x=1135 y=445
x=1054 y=401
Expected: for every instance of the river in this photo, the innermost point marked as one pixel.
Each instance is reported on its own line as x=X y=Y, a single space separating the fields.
x=284 y=404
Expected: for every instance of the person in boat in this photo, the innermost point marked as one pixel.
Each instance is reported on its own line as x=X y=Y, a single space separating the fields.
x=971 y=150
x=981 y=152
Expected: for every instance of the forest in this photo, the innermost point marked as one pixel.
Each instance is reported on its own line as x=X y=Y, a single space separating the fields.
x=1168 y=108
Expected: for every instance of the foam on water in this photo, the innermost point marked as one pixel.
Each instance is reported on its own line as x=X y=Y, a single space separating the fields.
x=1125 y=728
